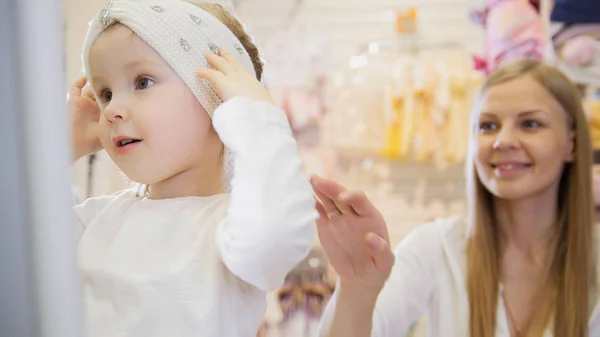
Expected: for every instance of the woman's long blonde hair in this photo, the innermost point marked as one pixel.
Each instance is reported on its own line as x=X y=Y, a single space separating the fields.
x=571 y=267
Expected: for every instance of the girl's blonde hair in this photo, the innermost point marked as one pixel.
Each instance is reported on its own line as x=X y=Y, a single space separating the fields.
x=571 y=269
x=238 y=30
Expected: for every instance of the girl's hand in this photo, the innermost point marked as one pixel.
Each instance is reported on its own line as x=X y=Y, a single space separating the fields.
x=85 y=115
x=231 y=79
x=354 y=235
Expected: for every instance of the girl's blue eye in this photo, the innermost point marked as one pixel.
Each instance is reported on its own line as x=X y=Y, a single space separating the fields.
x=143 y=83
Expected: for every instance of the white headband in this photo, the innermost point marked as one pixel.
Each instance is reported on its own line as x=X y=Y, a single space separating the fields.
x=180 y=32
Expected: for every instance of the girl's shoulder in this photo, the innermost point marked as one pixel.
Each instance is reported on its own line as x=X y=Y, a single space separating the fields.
x=126 y=194
x=89 y=208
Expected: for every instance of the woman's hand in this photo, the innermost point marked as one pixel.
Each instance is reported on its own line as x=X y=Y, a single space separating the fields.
x=231 y=79
x=354 y=235
x=85 y=115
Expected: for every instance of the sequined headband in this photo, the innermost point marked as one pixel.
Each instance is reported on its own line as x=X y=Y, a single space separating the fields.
x=180 y=32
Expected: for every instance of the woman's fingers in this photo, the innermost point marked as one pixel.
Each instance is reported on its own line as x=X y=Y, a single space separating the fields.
x=329 y=206
x=382 y=255
x=358 y=202
x=323 y=219
x=328 y=189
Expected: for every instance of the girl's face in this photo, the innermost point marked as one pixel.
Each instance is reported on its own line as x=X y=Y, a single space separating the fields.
x=152 y=125
x=523 y=140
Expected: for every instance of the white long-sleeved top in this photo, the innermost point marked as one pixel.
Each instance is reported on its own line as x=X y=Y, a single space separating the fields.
x=429 y=279
x=201 y=266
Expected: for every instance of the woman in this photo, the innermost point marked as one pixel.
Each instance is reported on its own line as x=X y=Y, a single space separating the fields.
x=524 y=260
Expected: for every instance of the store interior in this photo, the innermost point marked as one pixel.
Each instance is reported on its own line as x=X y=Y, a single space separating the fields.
x=378 y=93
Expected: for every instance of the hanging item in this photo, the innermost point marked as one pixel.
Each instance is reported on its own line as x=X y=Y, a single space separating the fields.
x=428 y=105
x=513 y=30
x=577 y=50
x=406 y=21
x=301 y=300
x=405 y=103
x=296 y=77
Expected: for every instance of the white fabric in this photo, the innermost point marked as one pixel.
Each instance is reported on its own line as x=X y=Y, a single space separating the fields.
x=428 y=280
x=201 y=266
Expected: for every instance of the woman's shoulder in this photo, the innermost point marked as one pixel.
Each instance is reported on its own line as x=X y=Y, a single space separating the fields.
x=435 y=237
x=440 y=229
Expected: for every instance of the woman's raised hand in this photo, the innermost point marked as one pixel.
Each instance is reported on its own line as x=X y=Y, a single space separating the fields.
x=353 y=234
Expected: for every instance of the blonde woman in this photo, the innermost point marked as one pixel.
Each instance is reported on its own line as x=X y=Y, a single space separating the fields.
x=523 y=262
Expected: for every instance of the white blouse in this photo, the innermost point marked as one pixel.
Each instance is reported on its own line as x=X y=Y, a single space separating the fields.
x=201 y=266
x=428 y=280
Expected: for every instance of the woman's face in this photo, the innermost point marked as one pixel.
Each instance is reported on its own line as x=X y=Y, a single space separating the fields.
x=523 y=140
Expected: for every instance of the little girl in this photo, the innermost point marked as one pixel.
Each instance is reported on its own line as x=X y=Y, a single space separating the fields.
x=225 y=211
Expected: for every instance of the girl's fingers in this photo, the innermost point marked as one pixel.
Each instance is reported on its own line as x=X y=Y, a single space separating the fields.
x=220 y=63
x=77 y=87
x=233 y=62
x=214 y=76
x=89 y=93
x=81 y=82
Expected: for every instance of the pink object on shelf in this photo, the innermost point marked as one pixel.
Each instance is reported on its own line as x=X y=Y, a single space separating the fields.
x=580 y=51
x=510 y=36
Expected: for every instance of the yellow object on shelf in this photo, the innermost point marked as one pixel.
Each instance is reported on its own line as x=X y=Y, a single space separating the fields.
x=427 y=110
x=594 y=117
x=393 y=128
x=406 y=21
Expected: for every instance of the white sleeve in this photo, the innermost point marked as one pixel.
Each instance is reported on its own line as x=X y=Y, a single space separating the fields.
x=269 y=226
x=405 y=297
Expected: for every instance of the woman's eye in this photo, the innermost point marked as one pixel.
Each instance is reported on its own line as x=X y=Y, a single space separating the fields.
x=487 y=126
x=531 y=124
x=143 y=83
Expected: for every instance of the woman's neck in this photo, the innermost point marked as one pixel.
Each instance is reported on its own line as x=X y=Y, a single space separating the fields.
x=527 y=225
